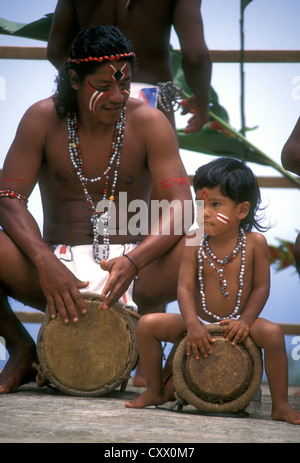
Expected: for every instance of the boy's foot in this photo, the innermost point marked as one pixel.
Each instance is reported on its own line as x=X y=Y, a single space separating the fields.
x=139 y=379
x=148 y=398
x=286 y=413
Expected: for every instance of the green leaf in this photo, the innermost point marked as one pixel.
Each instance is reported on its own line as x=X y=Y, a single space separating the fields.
x=245 y=3
x=216 y=142
x=38 y=30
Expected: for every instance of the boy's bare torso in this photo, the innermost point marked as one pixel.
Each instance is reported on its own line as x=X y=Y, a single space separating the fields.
x=216 y=302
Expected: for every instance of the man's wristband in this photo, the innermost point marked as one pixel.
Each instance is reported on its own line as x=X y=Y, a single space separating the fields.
x=134 y=264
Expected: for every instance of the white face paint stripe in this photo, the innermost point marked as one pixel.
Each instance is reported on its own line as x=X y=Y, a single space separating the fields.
x=223 y=218
x=93 y=100
x=96 y=101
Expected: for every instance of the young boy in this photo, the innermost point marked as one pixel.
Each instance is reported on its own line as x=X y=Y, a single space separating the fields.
x=226 y=280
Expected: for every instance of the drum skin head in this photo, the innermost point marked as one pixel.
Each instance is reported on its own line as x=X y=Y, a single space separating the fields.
x=92 y=356
x=225 y=381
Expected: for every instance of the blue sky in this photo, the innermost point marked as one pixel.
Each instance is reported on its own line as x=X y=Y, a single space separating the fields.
x=272 y=104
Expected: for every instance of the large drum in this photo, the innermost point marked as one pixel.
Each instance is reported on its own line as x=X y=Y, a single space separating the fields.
x=225 y=381
x=92 y=356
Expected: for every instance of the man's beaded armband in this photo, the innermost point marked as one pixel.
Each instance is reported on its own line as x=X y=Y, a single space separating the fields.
x=14 y=194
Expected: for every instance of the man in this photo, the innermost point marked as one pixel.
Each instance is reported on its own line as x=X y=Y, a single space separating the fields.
x=147 y=24
x=290 y=158
x=85 y=147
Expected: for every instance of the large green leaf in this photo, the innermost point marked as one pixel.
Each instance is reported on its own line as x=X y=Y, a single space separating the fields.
x=215 y=140
x=38 y=30
x=218 y=138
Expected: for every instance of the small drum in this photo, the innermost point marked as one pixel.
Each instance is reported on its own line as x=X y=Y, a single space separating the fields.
x=92 y=356
x=225 y=381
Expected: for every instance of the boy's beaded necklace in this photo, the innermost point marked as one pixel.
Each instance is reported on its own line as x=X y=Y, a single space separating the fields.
x=98 y=212
x=203 y=252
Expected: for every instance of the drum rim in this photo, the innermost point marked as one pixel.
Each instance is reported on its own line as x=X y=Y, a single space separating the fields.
x=49 y=379
x=237 y=405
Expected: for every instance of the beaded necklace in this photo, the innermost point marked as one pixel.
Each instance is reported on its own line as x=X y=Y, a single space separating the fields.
x=98 y=212
x=203 y=252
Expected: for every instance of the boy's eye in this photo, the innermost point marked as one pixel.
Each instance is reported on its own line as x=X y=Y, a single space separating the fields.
x=216 y=204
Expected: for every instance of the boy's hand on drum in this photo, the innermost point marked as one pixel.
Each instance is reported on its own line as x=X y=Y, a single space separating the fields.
x=237 y=330
x=198 y=339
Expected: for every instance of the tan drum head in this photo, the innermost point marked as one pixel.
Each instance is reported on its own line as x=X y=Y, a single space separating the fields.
x=90 y=357
x=225 y=381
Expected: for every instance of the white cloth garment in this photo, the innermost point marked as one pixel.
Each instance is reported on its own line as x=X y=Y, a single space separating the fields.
x=79 y=260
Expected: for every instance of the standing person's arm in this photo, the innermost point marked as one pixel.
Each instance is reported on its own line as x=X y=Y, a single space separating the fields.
x=196 y=60
x=63 y=30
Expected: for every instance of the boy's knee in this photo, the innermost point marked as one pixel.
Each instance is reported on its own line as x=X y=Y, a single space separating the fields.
x=274 y=334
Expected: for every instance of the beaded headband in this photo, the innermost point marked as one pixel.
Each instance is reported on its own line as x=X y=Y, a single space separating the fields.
x=90 y=59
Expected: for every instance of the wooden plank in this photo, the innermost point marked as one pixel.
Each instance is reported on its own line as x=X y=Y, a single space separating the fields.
x=269 y=182
x=35 y=53
x=263 y=182
x=290 y=328
x=218 y=56
x=30 y=317
x=256 y=56
x=38 y=317
x=276 y=182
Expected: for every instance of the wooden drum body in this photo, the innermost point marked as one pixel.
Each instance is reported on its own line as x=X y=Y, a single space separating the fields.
x=92 y=356
x=225 y=381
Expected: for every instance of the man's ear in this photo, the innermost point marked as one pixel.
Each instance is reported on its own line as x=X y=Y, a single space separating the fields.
x=243 y=209
x=74 y=79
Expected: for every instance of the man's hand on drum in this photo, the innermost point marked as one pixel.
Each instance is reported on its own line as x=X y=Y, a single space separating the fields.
x=121 y=273
x=61 y=290
x=237 y=330
x=198 y=340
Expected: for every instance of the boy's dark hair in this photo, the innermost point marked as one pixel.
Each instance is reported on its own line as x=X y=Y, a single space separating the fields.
x=236 y=181
x=96 y=42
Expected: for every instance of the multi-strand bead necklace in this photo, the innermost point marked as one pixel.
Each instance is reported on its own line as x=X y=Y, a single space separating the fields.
x=205 y=253
x=97 y=212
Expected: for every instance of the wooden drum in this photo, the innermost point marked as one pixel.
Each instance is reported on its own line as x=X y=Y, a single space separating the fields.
x=225 y=381
x=91 y=357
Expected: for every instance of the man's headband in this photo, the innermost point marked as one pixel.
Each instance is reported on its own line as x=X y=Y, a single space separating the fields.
x=102 y=58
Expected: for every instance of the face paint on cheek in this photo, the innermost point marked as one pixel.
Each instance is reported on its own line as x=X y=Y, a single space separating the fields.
x=223 y=218
x=95 y=98
x=126 y=92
